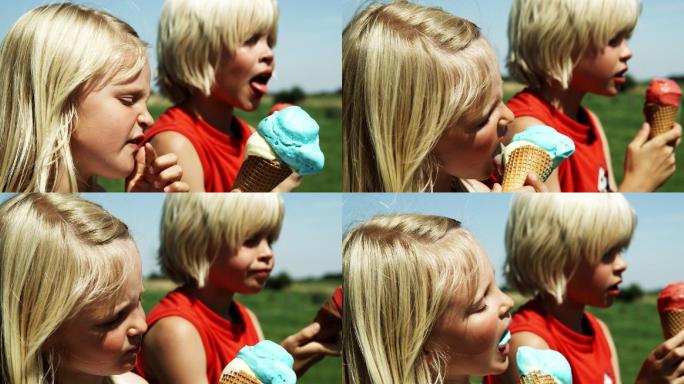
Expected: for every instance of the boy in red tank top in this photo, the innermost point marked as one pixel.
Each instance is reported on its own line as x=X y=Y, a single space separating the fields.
x=563 y=50
x=565 y=252
x=213 y=246
x=211 y=61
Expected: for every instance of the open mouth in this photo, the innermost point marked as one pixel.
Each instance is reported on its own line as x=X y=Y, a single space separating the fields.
x=503 y=342
x=614 y=289
x=620 y=76
x=260 y=82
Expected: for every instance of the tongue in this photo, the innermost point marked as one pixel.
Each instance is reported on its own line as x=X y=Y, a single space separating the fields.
x=259 y=87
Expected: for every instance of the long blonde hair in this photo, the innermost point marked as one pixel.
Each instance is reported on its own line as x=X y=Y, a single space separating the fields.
x=58 y=254
x=52 y=56
x=409 y=73
x=400 y=274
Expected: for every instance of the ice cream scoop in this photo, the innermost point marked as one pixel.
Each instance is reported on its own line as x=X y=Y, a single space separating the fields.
x=671 y=309
x=542 y=366
x=538 y=149
x=266 y=362
x=661 y=105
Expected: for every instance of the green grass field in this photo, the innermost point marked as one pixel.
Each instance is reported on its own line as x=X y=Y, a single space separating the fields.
x=622 y=117
x=281 y=313
x=326 y=110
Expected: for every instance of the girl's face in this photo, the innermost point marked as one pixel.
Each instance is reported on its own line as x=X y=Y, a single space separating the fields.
x=109 y=127
x=470 y=335
x=104 y=338
x=603 y=72
x=467 y=151
x=242 y=80
x=597 y=285
x=245 y=271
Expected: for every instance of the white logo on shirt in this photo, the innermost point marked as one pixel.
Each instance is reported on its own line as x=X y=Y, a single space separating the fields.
x=602 y=180
x=607 y=379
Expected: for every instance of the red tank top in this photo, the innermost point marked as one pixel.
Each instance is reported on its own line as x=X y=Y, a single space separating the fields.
x=589 y=356
x=221 y=155
x=221 y=338
x=586 y=170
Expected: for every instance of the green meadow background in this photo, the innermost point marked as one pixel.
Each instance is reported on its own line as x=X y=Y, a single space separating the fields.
x=281 y=314
x=326 y=109
x=622 y=117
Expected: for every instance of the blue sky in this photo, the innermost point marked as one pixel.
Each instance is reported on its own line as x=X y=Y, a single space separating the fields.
x=655 y=256
x=308 y=52
x=309 y=244
x=656 y=42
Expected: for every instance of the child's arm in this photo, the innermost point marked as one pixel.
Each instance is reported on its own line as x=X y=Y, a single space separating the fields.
x=613 y=352
x=665 y=364
x=174 y=142
x=519 y=339
x=174 y=353
x=256 y=324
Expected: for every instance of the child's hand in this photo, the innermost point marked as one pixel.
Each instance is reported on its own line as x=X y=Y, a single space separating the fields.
x=649 y=163
x=665 y=364
x=532 y=184
x=306 y=352
x=155 y=174
x=289 y=184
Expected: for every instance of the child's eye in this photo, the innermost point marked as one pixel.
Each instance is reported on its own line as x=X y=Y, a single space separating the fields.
x=616 y=40
x=114 y=322
x=253 y=40
x=252 y=242
x=128 y=100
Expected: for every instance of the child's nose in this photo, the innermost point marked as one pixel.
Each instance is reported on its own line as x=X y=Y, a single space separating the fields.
x=626 y=52
x=138 y=324
x=619 y=265
x=265 y=250
x=145 y=119
x=266 y=53
x=506 y=305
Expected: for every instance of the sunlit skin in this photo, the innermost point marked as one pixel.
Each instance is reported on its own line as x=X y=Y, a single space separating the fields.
x=470 y=334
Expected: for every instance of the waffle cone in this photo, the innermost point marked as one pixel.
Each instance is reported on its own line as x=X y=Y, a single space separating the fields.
x=661 y=118
x=672 y=322
x=331 y=323
x=260 y=175
x=521 y=162
x=238 y=377
x=537 y=378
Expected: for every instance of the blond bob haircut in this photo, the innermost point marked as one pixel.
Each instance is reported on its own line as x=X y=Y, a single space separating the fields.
x=58 y=254
x=198 y=227
x=196 y=35
x=548 y=235
x=401 y=272
x=51 y=58
x=409 y=73
x=547 y=38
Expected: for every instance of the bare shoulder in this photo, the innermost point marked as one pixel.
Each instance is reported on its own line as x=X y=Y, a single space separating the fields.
x=171 y=330
x=528 y=339
x=520 y=124
x=129 y=378
x=171 y=141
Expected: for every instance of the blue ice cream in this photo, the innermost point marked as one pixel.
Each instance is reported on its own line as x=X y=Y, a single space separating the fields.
x=270 y=362
x=544 y=362
x=293 y=136
x=557 y=145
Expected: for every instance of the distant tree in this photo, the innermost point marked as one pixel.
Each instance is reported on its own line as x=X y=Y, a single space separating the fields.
x=292 y=96
x=156 y=275
x=279 y=281
x=631 y=293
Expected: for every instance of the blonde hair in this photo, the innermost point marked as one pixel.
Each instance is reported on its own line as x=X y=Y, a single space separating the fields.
x=548 y=38
x=409 y=73
x=400 y=274
x=548 y=235
x=58 y=254
x=198 y=227
x=194 y=35
x=48 y=61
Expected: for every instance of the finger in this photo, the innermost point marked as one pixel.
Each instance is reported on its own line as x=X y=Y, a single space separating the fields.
x=674 y=358
x=177 y=186
x=668 y=345
x=641 y=136
x=308 y=332
x=164 y=161
x=318 y=348
x=171 y=174
x=496 y=187
x=150 y=156
x=535 y=182
x=670 y=136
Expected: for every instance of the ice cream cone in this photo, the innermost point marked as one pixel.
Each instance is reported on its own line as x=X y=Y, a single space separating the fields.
x=661 y=118
x=260 y=175
x=672 y=323
x=239 y=377
x=521 y=162
x=537 y=378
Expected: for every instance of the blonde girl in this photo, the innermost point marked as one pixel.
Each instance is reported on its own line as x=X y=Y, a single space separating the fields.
x=425 y=111
x=71 y=284
x=75 y=83
x=420 y=303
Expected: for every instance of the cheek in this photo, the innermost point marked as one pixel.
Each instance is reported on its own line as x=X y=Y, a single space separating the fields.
x=480 y=335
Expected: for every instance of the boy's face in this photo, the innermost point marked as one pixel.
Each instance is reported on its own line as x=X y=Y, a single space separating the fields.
x=246 y=271
x=110 y=127
x=241 y=80
x=104 y=338
x=470 y=335
x=597 y=285
x=603 y=72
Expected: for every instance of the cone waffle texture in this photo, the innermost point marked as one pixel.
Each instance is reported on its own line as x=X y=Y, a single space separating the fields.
x=537 y=378
x=661 y=118
x=672 y=322
x=521 y=162
x=238 y=377
x=331 y=323
x=260 y=175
